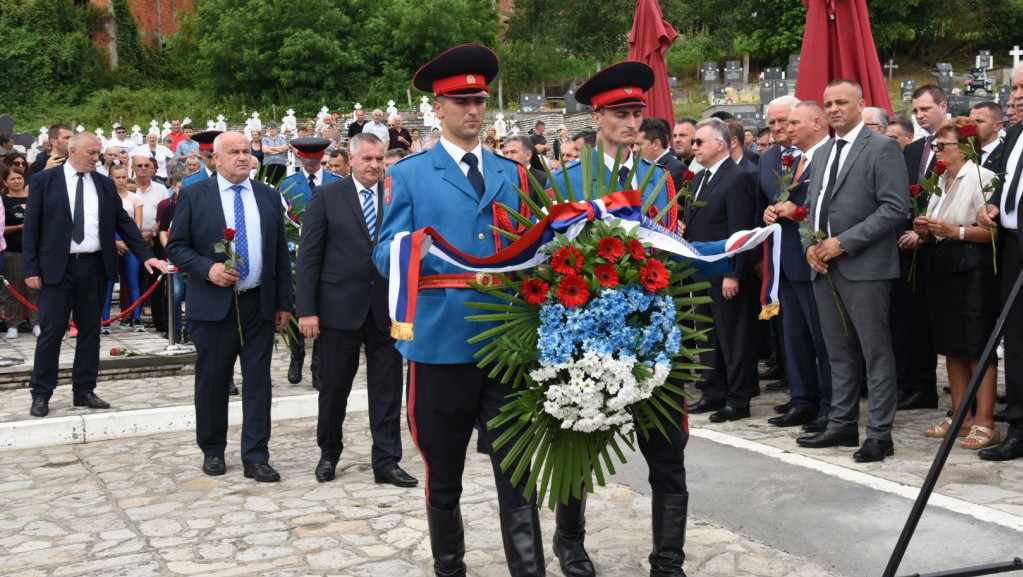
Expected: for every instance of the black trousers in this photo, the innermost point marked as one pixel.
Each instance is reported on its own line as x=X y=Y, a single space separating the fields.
x=732 y=360
x=81 y=291
x=340 y=362
x=665 y=456
x=444 y=402
x=915 y=360
x=217 y=345
x=1009 y=268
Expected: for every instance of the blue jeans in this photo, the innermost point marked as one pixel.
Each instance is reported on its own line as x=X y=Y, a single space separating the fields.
x=131 y=272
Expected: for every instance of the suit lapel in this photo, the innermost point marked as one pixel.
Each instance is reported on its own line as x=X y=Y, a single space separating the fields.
x=452 y=172
x=353 y=200
x=493 y=178
x=818 y=166
x=850 y=159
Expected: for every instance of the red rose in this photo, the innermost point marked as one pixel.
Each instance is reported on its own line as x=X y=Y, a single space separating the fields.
x=607 y=275
x=636 y=250
x=653 y=275
x=688 y=176
x=968 y=130
x=572 y=291
x=229 y=234
x=914 y=189
x=787 y=160
x=534 y=291
x=610 y=248
x=940 y=167
x=799 y=215
x=114 y=352
x=567 y=260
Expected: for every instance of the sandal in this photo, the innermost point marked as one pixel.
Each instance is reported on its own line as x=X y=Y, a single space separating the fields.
x=938 y=431
x=981 y=437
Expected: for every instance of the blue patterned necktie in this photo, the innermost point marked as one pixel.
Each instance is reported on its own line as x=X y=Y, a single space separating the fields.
x=241 y=239
x=369 y=212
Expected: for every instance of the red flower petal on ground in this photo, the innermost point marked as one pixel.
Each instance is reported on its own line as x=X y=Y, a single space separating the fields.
x=535 y=291
x=799 y=215
x=572 y=291
x=229 y=234
x=653 y=275
x=968 y=130
x=914 y=190
x=567 y=260
x=607 y=275
x=114 y=352
x=610 y=248
x=636 y=250
x=787 y=160
x=940 y=167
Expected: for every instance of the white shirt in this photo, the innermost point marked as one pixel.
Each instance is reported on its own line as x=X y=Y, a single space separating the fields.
x=160 y=155
x=712 y=171
x=987 y=149
x=151 y=198
x=317 y=176
x=1010 y=220
x=359 y=187
x=380 y=130
x=849 y=138
x=122 y=145
x=91 y=241
x=253 y=233
x=457 y=154
x=609 y=162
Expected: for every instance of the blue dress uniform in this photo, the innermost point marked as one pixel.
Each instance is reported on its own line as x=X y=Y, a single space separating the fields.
x=624 y=85
x=447 y=393
x=297 y=192
x=205 y=140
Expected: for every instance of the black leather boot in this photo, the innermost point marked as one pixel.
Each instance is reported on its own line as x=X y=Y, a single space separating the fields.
x=669 y=519
x=523 y=545
x=569 y=536
x=447 y=540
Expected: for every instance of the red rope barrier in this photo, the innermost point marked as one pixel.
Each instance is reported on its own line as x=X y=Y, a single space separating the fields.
x=124 y=313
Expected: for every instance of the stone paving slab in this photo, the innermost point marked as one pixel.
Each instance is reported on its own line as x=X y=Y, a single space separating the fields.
x=108 y=508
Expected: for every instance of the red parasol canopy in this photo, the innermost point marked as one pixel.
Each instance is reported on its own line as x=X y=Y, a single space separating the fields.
x=650 y=39
x=837 y=44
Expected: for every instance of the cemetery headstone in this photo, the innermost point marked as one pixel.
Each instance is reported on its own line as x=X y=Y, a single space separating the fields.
x=891 y=66
x=710 y=73
x=733 y=72
x=945 y=77
x=908 y=87
x=24 y=139
x=1003 y=96
x=1015 y=53
x=772 y=73
x=793 y=69
x=572 y=105
x=530 y=102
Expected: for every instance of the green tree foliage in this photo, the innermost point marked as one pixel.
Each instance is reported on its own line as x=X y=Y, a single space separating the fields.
x=131 y=58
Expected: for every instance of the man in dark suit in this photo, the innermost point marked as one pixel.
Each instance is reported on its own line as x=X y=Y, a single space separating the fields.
x=741 y=155
x=729 y=194
x=234 y=309
x=809 y=371
x=988 y=116
x=342 y=303
x=858 y=194
x=1002 y=211
x=915 y=359
x=653 y=145
x=69 y=255
x=682 y=141
x=520 y=149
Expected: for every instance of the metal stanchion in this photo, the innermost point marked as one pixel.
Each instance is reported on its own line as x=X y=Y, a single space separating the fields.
x=173 y=348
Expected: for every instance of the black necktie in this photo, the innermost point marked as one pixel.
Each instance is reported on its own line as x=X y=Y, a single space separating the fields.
x=78 y=222
x=832 y=177
x=623 y=178
x=924 y=164
x=474 y=175
x=703 y=184
x=1010 y=200
x=312 y=182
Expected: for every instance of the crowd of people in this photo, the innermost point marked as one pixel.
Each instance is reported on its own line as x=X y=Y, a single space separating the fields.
x=894 y=250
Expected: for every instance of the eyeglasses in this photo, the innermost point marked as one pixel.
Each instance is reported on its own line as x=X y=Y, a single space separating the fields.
x=143 y=165
x=698 y=142
x=872 y=123
x=323 y=164
x=18 y=163
x=939 y=146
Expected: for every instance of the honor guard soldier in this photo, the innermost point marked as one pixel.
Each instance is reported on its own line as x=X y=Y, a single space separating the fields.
x=298 y=191
x=618 y=97
x=454 y=187
x=209 y=168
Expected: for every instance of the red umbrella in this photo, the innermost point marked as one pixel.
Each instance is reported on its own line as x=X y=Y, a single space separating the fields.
x=837 y=44
x=650 y=39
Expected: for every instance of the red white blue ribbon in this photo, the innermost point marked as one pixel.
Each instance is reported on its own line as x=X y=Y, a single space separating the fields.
x=569 y=219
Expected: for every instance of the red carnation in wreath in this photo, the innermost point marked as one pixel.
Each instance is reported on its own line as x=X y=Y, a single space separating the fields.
x=534 y=291
x=610 y=248
x=653 y=275
x=572 y=291
x=636 y=250
x=567 y=260
x=607 y=275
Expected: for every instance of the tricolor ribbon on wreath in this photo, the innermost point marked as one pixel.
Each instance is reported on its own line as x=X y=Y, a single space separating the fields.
x=569 y=219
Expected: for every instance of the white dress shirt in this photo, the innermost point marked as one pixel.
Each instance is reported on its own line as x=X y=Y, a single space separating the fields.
x=359 y=187
x=457 y=153
x=152 y=197
x=712 y=171
x=849 y=138
x=91 y=241
x=1010 y=220
x=253 y=233
x=609 y=162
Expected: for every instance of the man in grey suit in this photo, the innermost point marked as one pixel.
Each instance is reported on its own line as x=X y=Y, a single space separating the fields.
x=858 y=196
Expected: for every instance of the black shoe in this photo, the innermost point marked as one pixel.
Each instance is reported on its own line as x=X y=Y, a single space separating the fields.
x=3 y=325
x=325 y=470
x=782 y=385
x=40 y=407
x=818 y=425
x=25 y=327
x=729 y=413
x=829 y=439
x=295 y=370
x=232 y=389
x=397 y=477
x=918 y=400
x=704 y=406
x=569 y=538
x=1001 y=417
x=783 y=408
x=214 y=465
x=794 y=417
x=1010 y=448
x=186 y=337
x=90 y=400
x=1001 y=399
x=874 y=450
x=262 y=473
x=771 y=373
